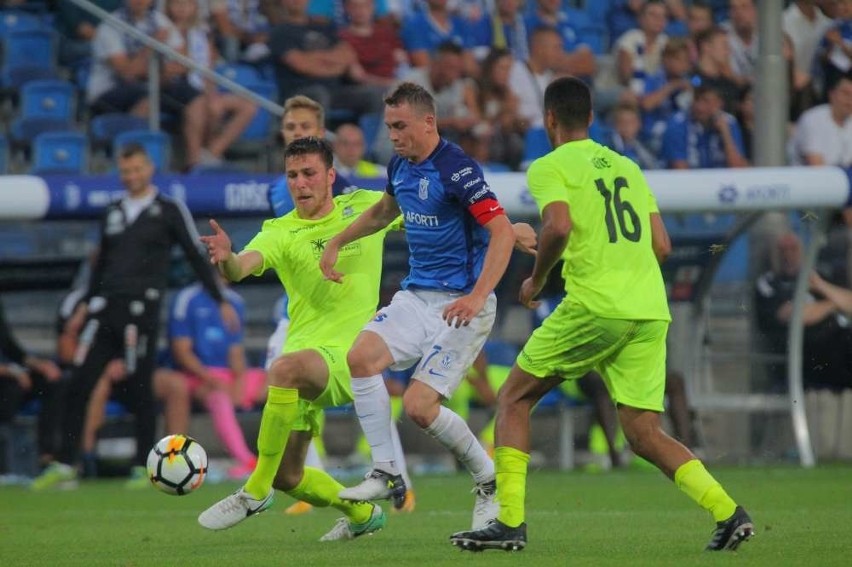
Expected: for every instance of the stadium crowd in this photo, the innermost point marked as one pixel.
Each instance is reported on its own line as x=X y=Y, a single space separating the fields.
x=672 y=79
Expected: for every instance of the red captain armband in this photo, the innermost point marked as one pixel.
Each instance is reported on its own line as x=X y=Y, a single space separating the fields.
x=485 y=210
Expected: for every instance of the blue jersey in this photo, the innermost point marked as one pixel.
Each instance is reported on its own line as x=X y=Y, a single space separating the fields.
x=700 y=147
x=195 y=315
x=281 y=202
x=445 y=203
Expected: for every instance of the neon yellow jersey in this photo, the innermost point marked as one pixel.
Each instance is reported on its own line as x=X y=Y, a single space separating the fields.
x=610 y=266
x=322 y=312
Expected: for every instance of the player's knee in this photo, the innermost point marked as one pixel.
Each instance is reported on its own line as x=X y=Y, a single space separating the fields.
x=642 y=438
x=421 y=411
x=284 y=372
x=511 y=399
x=359 y=366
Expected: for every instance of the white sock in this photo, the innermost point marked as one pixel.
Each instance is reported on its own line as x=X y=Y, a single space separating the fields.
x=312 y=459
x=400 y=455
x=372 y=405
x=452 y=432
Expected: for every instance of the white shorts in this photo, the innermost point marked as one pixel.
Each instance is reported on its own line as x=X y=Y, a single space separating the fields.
x=275 y=344
x=413 y=328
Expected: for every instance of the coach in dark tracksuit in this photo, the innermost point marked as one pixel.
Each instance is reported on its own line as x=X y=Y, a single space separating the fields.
x=119 y=317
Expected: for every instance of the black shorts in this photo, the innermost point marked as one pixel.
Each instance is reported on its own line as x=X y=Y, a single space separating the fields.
x=120 y=98
x=174 y=97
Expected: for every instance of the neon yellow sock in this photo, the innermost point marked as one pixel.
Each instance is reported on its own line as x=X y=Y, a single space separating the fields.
x=597 y=440
x=317 y=487
x=279 y=413
x=511 y=468
x=694 y=480
x=396 y=407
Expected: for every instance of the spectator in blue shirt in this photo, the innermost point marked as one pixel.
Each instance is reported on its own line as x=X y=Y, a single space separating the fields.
x=572 y=25
x=424 y=30
x=625 y=137
x=703 y=137
x=666 y=92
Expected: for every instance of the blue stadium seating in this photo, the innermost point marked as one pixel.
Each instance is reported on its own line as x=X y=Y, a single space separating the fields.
x=105 y=127
x=55 y=99
x=16 y=20
x=240 y=73
x=28 y=48
x=13 y=78
x=45 y=106
x=536 y=145
x=255 y=139
x=156 y=144
x=60 y=152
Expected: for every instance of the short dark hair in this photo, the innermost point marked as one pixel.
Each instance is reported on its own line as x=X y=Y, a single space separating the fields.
x=414 y=95
x=708 y=35
x=310 y=145
x=133 y=149
x=570 y=101
x=706 y=88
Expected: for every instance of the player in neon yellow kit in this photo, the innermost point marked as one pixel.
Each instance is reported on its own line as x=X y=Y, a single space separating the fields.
x=325 y=318
x=599 y=215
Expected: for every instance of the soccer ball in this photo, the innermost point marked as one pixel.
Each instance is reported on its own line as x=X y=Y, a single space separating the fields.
x=177 y=464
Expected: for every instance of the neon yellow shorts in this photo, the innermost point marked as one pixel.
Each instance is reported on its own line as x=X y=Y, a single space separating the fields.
x=630 y=355
x=338 y=392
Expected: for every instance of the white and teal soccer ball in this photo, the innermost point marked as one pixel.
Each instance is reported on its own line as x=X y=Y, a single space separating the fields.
x=177 y=464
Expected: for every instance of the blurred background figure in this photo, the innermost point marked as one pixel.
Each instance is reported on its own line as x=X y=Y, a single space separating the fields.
x=213 y=361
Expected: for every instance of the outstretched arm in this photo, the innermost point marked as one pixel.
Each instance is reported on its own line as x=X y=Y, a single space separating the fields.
x=235 y=267
x=371 y=221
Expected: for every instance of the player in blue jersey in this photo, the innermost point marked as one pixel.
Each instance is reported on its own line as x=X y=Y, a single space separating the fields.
x=303 y=117
x=459 y=242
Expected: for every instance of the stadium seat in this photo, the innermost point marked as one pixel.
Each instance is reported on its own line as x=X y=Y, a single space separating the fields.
x=156 y=144
x=45 y=106
x=255 y=139
x=60 y=152
x=22 y=131
x=13 y=78
x=17 y=20
x=536 y=145
x=105 y=127
x=28 y=48
x=54 y=99
x=240 y=73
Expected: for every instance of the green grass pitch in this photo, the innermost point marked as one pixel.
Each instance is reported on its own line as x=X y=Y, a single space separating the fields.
x=802 y=517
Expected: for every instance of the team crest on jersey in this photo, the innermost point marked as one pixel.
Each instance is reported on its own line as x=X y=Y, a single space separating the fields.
x=318 y=245
x=347 y=212
x=114 y=222
x=154 y=209
x=423 y=190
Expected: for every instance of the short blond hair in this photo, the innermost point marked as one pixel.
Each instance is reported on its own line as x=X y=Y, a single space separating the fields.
x=302 y=101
